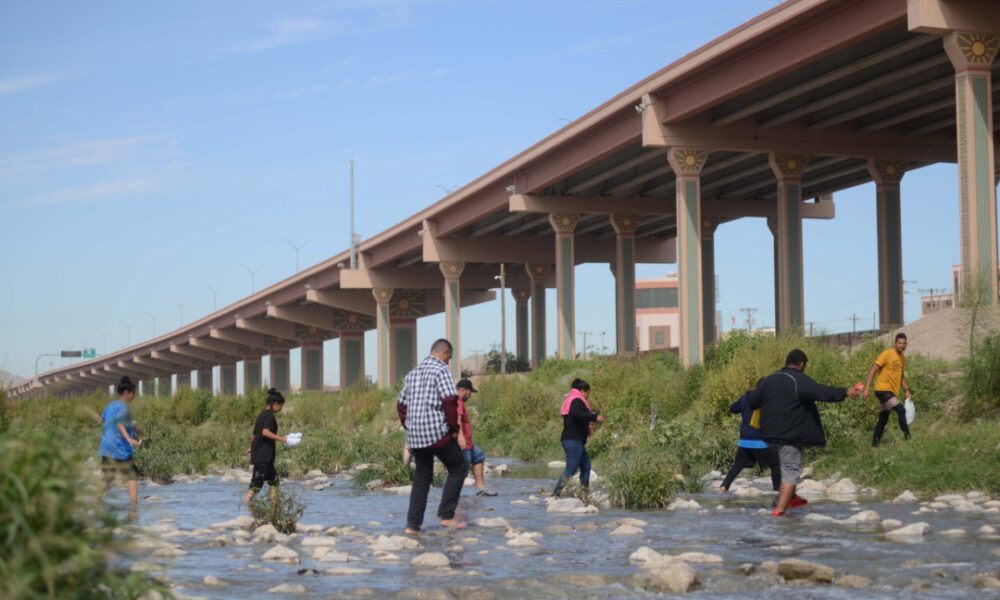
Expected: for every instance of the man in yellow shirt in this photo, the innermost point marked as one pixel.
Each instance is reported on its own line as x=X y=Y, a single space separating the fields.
x=889 y=367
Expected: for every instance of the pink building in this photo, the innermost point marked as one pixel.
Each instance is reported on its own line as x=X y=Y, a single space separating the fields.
x=657 y=314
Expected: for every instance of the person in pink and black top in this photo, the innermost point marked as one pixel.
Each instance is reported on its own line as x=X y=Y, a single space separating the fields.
x=578 y=424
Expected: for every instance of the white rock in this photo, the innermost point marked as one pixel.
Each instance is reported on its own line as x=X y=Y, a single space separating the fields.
x=629 y=521
x=387 y=557
x=557 y=464
x=747 y=492
x=949 y=497
x=627 y=530
x=522 y=541
x=303 y=528
x=977 y=496
x=347 y=571
x=906 y=496
x=340 y=557
x=281 y=554
x=493 y=522
x=314 y=473
x=401 y=490
x=169 y=552
x=430 y=559
x=677 y=577
x=644 y=555
x=965 y=506
x=915 y=530
x=395 y=543
x=992 y=504
x=266 y=532
x=987 y=530
x=818 y=518
x=700 y=558
x=865 y=516
x=844 y=487
x=288 y=588
x=682 y=504
x=564 y=505
x=811 y=486
x=937 y=505
x=213 y=581
x=319 y=540
x=590 y=509
x=710 y=476
x=953 y=532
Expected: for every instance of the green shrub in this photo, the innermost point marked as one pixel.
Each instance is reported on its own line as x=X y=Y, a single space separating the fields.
x=55 y=539
x=277 y=507
x=641 y=478
x=982 y=380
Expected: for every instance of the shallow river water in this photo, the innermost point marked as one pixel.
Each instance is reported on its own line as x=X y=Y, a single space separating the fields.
x=576 y=556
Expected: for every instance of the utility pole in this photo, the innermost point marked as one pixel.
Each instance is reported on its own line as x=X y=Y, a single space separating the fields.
x=810 y=324
x=585 y=334
x=502 y=277
x=749 y=320
x=854 y=326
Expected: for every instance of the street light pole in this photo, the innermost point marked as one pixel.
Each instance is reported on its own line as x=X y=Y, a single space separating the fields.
x=180 y=311
x=354 y=236
x=129 y=328
x=253 y=277
x=215 y=296
x=152 y=318
x=297 y=248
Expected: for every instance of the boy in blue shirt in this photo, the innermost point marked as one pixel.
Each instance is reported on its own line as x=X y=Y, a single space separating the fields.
x=119 y=441
x=751 y=449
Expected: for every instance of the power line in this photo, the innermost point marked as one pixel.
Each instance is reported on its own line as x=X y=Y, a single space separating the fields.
x=749 y=320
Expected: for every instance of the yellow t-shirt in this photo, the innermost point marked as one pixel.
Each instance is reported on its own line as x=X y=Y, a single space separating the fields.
x=890 y=376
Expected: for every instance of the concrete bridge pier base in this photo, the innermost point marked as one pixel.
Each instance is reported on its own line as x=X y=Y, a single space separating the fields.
x=564 y=225
x=252 y=373
x=281 y=373
x=312 y=366
x=184 y=380
x=624 y=271
x=227 y=379
x=163 y=385
x=537 y=273
x=404 y=348
x=384 y=337
x=887 y=175
x=352 y=358
x=788 y=169
x=521 y=297
x=205 y=379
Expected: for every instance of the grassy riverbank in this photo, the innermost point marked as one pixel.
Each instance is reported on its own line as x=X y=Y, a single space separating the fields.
x=666 y=425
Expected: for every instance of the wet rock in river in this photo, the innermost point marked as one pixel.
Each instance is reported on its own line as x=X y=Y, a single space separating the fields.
x=304 y=528
x=522 y=541
x=645 y=555
x=795 y=568
x=677 y=577
x=842 y=489
x=811 y=487
x=430 y=559
x=682 y=504
x=338 y=557
x=913 y=531
x=890 y=524
x=953 y=532
x=769 y=566
x=966 y=506
x=169 y=552
x=387 y=557
x=988 y=582
x=906 y=496
x=281 y=554
x=213 y=581
x=865 y=516
x=853 y=582
x=319 y=540
x=818 y=518
x=564 y=505
x=288 y=588
x=557 y=464
x=949 y=497
x=314 y=474
x=627 y=530
x=747 y=568
x=700 y=558
x=395 y=543
x=347 y=571
x=493 y=522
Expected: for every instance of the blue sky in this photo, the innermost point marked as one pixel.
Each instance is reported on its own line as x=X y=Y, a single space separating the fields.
x=149 y=150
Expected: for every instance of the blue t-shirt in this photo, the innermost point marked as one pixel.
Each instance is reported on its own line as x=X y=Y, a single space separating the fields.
x=113 y=443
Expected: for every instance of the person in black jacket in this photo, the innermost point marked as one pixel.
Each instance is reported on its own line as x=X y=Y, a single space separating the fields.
x=578 y=422
x=751 y=449
x=789 y=419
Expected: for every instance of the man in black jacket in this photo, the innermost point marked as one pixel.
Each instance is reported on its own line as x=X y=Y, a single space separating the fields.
x=789 y=420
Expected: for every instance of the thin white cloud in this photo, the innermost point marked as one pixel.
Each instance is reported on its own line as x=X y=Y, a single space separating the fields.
x=84 y=154
x=383 y=79
x=108 y=190
x=288 y=31
x=24 y=84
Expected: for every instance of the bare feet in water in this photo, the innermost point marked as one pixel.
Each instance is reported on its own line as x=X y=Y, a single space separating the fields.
x=452 y=523
x=409 y=531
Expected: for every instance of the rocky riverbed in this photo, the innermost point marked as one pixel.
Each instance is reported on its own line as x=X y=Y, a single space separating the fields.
x=848 y=543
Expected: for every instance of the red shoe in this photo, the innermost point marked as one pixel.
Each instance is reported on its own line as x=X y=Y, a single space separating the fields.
x=797 y=502
x=777 y=513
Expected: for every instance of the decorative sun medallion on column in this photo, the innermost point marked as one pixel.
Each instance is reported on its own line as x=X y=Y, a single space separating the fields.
x=564 y=222
x=452 y=269
x=408 y=303
x=537 y=271
x=789 y=165
x=248 y=352
x=308 y=333
x=888 y=171
x=978 y=48
x=273 y=343
x=625 y=224
x=688 y=160
x=349 y=321
x=382 y=295
x=521 y=295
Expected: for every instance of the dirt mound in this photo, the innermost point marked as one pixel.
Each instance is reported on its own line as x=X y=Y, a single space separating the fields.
x=945 y=334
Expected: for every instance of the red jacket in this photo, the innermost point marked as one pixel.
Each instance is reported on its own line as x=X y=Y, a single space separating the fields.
x=450 y=407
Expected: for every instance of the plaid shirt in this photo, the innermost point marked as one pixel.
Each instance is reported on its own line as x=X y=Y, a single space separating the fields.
x=423 y=390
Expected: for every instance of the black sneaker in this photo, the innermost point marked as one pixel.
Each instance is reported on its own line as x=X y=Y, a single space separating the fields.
x=485 y=492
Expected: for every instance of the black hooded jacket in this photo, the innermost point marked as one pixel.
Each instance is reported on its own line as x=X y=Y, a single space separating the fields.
x=787 y=402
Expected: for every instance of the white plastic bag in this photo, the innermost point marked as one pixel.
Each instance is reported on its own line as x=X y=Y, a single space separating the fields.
x=911 y=410
x=294 y=439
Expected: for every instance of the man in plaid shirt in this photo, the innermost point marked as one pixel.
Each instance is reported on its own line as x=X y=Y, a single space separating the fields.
x=428 y=410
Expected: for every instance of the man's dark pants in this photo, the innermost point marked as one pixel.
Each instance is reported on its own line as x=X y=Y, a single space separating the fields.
x=452 y=458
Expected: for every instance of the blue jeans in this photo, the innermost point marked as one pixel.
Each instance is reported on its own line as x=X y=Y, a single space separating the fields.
x=576 y=458
x=474 y=456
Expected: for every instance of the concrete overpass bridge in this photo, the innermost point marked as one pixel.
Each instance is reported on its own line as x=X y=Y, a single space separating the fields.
x=767 y=121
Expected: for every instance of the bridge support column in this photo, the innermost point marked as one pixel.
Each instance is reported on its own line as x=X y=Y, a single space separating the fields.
x=147 y=387
x=251 y=373
x=452 y=272
x=205 y=379
x=184 y=380
x=404 y=348
x=312 y=366
x=788 y=168
x=281 y=371
x=537 y=273
x=624 y=270
x=887 y=175
x=564 y=226
x=972 y=55
x=708 y=299
x=227 y=379
x=687 y=164
x=521 y=297
x=163 y=385
x=383 y=331
x=352 y=358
